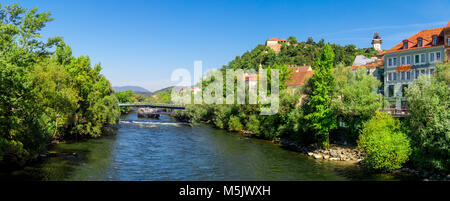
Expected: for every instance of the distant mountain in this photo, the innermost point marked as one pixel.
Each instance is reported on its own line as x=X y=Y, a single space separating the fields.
x=162 y=90
x=132 y=88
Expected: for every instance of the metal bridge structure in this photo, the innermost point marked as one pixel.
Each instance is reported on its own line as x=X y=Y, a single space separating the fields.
x=152 y=105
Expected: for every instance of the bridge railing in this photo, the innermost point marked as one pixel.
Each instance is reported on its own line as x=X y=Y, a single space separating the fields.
x=150 y=105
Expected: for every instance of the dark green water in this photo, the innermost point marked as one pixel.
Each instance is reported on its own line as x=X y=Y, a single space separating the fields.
x=166 y=150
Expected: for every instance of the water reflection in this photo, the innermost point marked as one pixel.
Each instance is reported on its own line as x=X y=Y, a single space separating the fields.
x=144 y=149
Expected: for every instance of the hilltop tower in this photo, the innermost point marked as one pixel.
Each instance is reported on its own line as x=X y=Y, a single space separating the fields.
x=376 y=41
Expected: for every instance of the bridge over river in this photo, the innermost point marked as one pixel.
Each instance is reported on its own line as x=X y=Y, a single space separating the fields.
x=152 y=105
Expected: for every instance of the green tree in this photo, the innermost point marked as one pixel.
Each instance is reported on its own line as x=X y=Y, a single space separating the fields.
x=319 y=113
x=428 y=102
x=125 y=96
x=292 y=40
x=355 y=98
x=59 y=101
x=386 y=146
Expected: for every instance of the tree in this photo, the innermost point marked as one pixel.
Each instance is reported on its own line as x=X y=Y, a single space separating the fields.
x=320 y=115
x=292 y=40
x=59 y=101
x=125 y=96
x=355 y=98
x=428 y=102
x=46 y=94
x=386 y=146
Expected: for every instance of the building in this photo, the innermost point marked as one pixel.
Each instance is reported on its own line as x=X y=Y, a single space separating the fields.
x=374 y=66
x=376 y=41
x=300 y=75
x=414 y=56
x=275 y=44
x=447 y=41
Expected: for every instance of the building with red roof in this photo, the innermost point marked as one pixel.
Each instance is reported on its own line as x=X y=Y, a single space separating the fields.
x=413 y=57
x=299 y=75
x=275 y=44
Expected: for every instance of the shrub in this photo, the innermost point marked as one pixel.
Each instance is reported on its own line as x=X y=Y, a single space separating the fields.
x=386 y=146
x=235 y=124
x=428 y=101
x=253 y=124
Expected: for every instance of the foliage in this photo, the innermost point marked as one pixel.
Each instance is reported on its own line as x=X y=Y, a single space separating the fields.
x=303 y=53
x=45 y=95
x=320 y=116
x=126 y=96
x=355 y=98
x=386 y=146
x=428 y=101
x=234 y=124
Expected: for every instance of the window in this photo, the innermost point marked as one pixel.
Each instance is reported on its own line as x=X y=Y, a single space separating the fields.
x=404 y=87
x=417 y=73
x=390 y=62
x=408 y=75
x=391 y=90
x=417 y=59
x=422 y=72
x=435 y=56
x=389 y=76
x=434 y=40
x=422 y=58
x=408 y=60
x=419 y=42
x=431 y=71
x=395 y=61
x=405 y=44
x=395 y=76
x=448 y=41
x=403 y=61
x=403 y=75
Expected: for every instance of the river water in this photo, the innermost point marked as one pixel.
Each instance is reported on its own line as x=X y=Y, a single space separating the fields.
x=143 y=149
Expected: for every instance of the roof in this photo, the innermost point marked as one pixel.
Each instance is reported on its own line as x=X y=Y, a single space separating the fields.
x=299 y=77
x=377 y=63
x=276 y=39
x=426 y=35
x=250 y=77
x=448 y=25
x=362 y=60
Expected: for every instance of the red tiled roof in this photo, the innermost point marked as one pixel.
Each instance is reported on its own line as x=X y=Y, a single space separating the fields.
x=251 y=77
x=300 y=75
x=426 y=35
x=276 y=39
x=448 y=25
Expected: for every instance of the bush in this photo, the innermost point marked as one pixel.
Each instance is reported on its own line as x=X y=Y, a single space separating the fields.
x=386 y=146
x=253 y=124
x=235 y=124
x=428 y=101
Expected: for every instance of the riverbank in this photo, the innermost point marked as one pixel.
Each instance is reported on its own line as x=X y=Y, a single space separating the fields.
x=343 y=153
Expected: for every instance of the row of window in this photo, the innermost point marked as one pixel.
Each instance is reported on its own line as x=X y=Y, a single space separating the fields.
x=418 y=59
x=394 y=76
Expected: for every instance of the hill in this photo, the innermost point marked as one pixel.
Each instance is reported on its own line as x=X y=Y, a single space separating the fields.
x=132 y=88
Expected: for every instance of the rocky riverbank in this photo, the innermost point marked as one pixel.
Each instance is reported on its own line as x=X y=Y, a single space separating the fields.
x=353 y=155
x=334 y=153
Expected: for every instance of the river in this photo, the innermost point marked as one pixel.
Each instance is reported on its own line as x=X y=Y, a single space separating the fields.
x=143 y=149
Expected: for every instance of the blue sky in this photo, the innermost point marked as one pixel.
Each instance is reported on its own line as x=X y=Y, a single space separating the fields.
x=140 y=42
